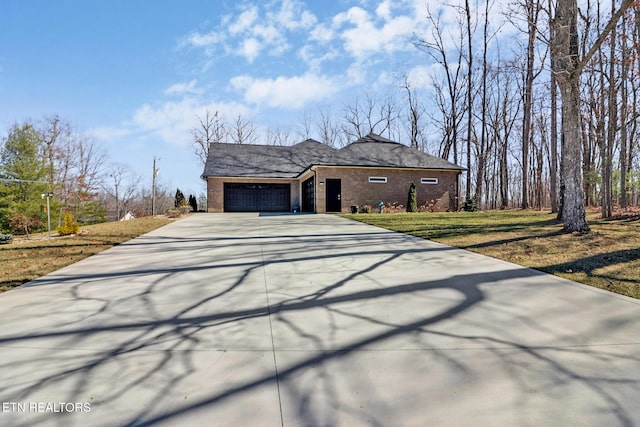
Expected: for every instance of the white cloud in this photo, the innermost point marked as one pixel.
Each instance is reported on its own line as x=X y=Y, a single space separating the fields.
x=364 y=35
x=169 y=122
x=109 y=133
x=285 y=92
x=384 y=9
x=245 y=21
x=250 y=49
x=420 y=76
x=255 y=29
x=172 y=121
x=292 y=16
x=183 y=88
x=203 y=40
x=314 y=58
x=323 y=33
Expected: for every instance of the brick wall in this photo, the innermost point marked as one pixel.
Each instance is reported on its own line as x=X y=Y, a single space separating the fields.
x=357 y=190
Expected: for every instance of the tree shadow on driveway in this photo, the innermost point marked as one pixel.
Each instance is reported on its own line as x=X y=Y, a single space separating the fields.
x=381 y=326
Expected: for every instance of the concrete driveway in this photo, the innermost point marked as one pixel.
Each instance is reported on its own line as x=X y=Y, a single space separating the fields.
x=312 y=320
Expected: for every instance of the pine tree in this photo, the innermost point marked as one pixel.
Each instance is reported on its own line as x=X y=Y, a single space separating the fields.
x=179 y=200
x=193 y=202
x=23 y=170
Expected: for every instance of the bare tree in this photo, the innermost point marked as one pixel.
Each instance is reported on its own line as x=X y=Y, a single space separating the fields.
x=121 y=185
x=279 y=136
x=568 y=68
x=243 y=131
x=469 y=106
x=448 y=96
x=74 y=165
x=327 y=128
x=305 y=125
x=211 y=129
x=361 y=118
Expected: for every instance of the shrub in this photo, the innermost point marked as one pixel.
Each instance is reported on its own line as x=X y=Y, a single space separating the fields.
x=471 y=205
x=179 y=199
x=193 y=203
x=394 y=207
x=366 y=209
x=69 y=226
x=5 y=238
x=412 y=202
x=173 y=212
x=22 y=224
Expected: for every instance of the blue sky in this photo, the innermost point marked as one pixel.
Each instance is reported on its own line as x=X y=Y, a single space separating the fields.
x=133 y=75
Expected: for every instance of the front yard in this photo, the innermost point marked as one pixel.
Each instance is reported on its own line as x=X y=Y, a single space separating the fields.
x=25 y=260
x=607 y=258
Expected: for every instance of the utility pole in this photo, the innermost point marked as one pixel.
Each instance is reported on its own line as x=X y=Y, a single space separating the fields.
x=48 y=196
x=153 y=197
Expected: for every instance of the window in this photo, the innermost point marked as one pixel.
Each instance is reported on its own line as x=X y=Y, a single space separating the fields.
x=429 y=180
x=378 y=179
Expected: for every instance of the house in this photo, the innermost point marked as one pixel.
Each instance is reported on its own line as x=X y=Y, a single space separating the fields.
x=313 y=177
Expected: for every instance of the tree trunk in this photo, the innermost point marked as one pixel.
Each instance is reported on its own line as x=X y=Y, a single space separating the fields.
x=553 y=173
x=469 y=97
x=623 y=117
x=573 y=212
x=607 y=209
x=565 y=51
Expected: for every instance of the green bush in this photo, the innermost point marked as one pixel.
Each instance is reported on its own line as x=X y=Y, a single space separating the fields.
x=69 y=226
x=471 y=205
x=412 y=202
x=5 y=238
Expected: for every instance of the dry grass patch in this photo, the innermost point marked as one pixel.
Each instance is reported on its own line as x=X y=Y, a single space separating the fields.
x=607 y=258
x=26 y=260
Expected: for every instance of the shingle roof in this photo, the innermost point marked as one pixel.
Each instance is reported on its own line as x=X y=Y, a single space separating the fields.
x=269 y=161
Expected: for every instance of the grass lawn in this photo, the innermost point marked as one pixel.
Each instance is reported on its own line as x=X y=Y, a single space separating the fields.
x=23 y=261
x=607 y=258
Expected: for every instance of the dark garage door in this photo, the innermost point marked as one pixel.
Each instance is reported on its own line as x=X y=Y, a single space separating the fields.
x=256 y=197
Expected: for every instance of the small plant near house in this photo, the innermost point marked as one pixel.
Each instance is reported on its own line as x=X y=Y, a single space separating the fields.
x=69 y=225
x=429 y=206
x=5 y=238
x=412 y=202
x=394 y=207
x=471 y=205
x=365 y=209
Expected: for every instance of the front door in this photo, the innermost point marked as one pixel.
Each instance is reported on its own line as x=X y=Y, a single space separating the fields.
x=308 y=195
x=333 y=195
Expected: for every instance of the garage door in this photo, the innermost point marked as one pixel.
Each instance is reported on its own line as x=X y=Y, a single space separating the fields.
x=256 y=197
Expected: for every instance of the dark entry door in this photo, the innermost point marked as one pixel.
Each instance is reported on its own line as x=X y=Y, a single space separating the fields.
x=333 y=195
x=308 y=195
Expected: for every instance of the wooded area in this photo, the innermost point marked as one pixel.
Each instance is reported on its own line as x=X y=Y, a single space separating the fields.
x=539 y=102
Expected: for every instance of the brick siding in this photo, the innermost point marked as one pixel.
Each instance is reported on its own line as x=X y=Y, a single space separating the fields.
x=356 y=190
